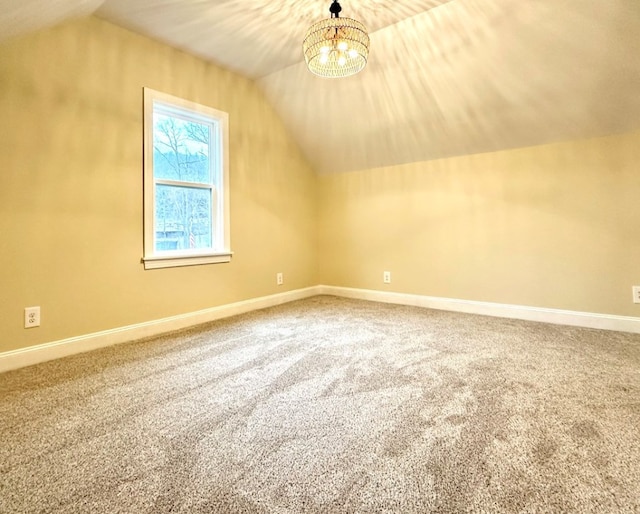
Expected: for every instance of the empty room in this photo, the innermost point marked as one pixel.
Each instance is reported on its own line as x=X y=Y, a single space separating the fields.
x=319 y=256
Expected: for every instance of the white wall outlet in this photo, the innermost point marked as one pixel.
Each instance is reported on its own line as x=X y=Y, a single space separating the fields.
x=636 y=294
x=31 y=317
x=279 y=279
x=386 y=277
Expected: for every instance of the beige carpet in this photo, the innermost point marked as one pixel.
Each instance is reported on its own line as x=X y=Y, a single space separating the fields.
x=330 y=405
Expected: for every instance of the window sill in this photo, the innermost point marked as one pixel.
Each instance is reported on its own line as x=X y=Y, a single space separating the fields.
x=174 y=261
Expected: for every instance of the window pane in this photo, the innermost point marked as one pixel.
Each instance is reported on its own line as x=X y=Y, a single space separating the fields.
x=180 y=149
x=182 y=218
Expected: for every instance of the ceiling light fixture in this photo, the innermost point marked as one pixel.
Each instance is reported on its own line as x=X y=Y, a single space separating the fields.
x=336 y=47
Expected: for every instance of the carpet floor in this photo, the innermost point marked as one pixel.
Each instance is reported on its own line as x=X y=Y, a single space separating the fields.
x=330 y=405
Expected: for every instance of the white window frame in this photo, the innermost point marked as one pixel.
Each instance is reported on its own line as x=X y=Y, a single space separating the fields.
x=221 y=251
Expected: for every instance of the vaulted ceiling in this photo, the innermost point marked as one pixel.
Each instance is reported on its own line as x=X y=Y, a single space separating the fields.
x=445 y=77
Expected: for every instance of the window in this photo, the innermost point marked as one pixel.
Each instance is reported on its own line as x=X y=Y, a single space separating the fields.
x=186 y=183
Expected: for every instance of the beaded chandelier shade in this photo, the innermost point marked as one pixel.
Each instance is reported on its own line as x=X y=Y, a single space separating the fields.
x=336 y=47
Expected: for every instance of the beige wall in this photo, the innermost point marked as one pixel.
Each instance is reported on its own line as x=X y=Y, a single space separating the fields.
x=71 y=186
x=554 y=226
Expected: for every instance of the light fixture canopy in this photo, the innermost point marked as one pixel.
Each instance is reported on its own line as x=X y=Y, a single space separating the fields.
x=336 y=47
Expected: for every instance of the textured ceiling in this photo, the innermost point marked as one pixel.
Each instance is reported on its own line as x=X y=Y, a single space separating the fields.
x=253 y=37
x=444 y=77
x=472 y=76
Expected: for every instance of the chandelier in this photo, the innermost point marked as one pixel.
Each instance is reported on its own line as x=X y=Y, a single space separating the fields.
x=336 y=47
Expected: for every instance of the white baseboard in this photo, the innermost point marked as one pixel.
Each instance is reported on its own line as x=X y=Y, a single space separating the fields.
x=44 y=352
x=555 y=316
x=56 y=349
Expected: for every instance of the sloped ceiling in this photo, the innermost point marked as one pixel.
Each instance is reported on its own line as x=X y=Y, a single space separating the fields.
x=444 y=77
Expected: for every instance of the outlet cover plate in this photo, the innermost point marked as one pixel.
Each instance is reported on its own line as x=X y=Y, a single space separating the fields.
x=31 y=317
x=636 y=294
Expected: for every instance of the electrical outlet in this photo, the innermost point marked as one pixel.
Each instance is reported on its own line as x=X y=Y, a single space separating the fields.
x=636 y=294
x=279 y=279
x=31 y=317
x=386 y=277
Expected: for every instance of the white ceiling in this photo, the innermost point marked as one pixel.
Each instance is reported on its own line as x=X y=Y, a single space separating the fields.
x=444 y=77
